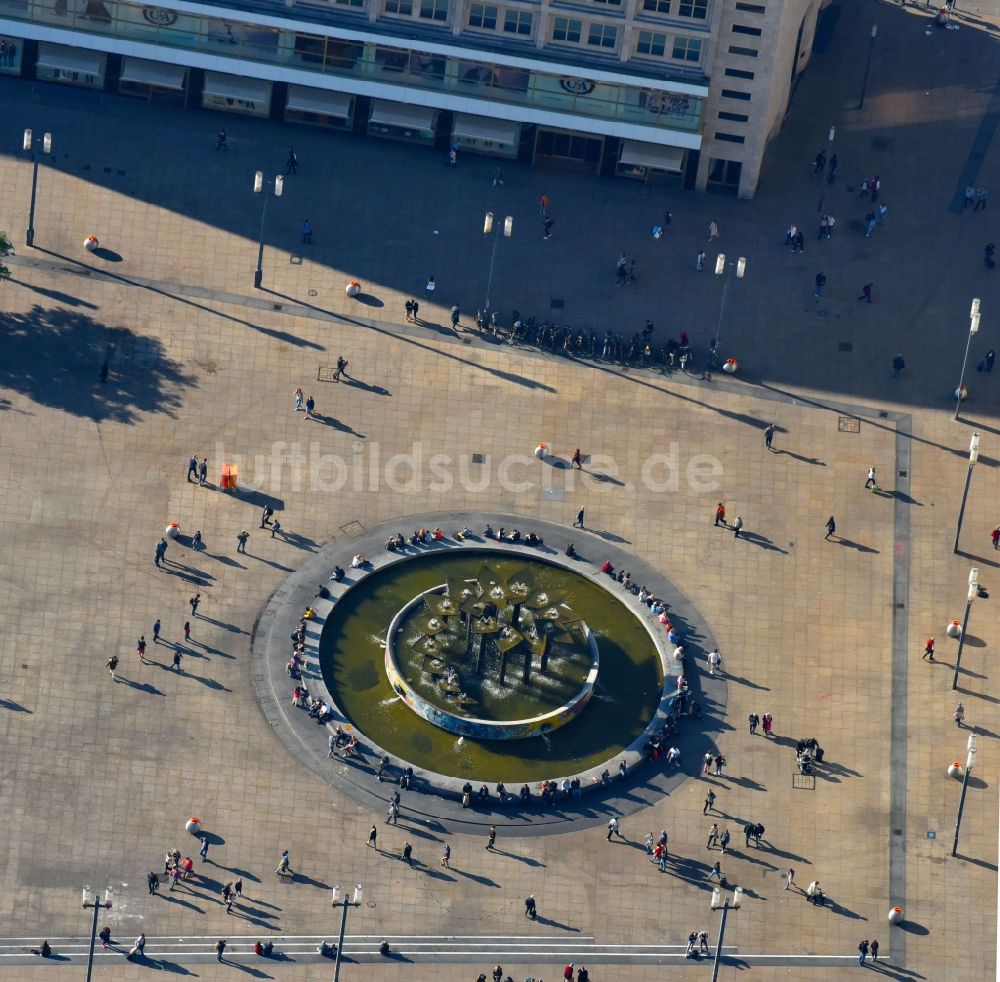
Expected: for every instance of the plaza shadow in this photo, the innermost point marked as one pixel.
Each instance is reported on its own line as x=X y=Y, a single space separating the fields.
x=53 y=357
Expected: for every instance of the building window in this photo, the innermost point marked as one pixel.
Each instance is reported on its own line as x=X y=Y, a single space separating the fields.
x=483 y=16
x=743 y=29
x=656 y=6
x=686 y=49
x=350 y=3
x=739 y=73
x=752 y=8
x=729 y=137
x=613 y=3
x=651 y=43
x=517 y=22
x=434 y=9
x=402 y=7
x=748 y=52
x=693 y=8
x=734 y=94
x=734 y=117
x=602 y=35
x=566 y=29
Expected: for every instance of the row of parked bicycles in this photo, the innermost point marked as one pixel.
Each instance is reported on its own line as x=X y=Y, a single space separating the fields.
x=637 y=351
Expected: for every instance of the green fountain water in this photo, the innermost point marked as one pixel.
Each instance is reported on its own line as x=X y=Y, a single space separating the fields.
x=626 y=695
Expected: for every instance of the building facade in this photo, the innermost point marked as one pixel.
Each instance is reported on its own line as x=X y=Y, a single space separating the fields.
x=682 y=91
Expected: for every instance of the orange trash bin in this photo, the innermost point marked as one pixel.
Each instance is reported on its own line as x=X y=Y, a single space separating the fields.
x=229 y=476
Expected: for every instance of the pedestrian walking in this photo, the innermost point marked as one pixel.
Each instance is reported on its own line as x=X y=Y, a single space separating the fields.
x=152 y=882
x=982 y=197
x=547 y=224
x=768 y=721
x=737 y=526
x=748 y=833
x=713 y=230
x=341 y=368
x=141 y=648
x=298 y=396
x=492 y=839
x=307 y=232
x=138 y=948
x=292 y=164
x=831 y=527
x=530 y=908
x=431 y=286
x=156 y=631
x=446 y=855
x=959 y=715
x=408 y=308
x=577 y=458
x=703 y=942
x=187 y=631
x=873 y=949
x=707 y=761
x=543 y=204
x=203 y=851
x=111 y=665
x=692 y=941
x=456 y=314
x=714 y=661
x=238 y=888
x=871 y=481
x=699 y=262
x=579 y=519
x=789 y=878
x=192 y=467
x=220 y=947
x=220 y=141
x=720 y=515
x=897 y=366
x=265 y=515
x=241 y=541
x=407 y=854
x=995 y=536
x=862 y=951
x=373 y=837
x=275 y=528
x=284 y=867
x=820 y=164
x=866 y=292
x=988 y=252
x=753 y=721
x=820 y=283
x=709 y=803
x=177 y=660
x=832 y=167
x=310 y=406
x=769 y=435
x=928 y=654
x=716 y=872
x=613 y=828
x=195 y=601
x=105 y=935
x=713 y=835
x=724 y=840
x=720 y=762
x=498 y=177
x=415 y=309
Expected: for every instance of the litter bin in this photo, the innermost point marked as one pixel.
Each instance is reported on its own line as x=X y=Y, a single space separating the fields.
x=229 y=476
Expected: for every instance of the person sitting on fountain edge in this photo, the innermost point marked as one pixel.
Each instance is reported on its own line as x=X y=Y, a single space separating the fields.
x=570 y=551
x=338 y=574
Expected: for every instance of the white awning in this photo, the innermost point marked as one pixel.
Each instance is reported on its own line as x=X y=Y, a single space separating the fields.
x=321 y=101
x=64 y=58
x=236 y=87
x=401 y=114
x=480 y=128
x=157 y=73
x=652 y=155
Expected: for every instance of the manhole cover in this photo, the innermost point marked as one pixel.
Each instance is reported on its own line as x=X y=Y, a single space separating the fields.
x=932 y=835
x=848 y=424
x=314 y=293
x=845 y=345
x=296 y=260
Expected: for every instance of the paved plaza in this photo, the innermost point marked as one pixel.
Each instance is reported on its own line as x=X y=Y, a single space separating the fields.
x=99 y=776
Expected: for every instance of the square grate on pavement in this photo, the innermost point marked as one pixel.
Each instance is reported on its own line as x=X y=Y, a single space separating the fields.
x=804 y=782
x=295 y=260
x=848 y=424
x=352 y=528
x=325 y=375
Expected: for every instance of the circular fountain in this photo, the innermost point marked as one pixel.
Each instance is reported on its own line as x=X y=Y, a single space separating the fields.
x=493 y=656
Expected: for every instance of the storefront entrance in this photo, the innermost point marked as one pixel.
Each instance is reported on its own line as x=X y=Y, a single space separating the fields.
x=571 y=150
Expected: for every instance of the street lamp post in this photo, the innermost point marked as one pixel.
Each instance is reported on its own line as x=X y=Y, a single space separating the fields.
x=343 y=901
x=29 y=145
x=258 y=188
x=868 y=65
x=969 y=764
x=718 y=901
x=508 y=228
x=973 y=457
x=973 y=330
x=91 y=901
x=720 y=269
x=973 y=592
